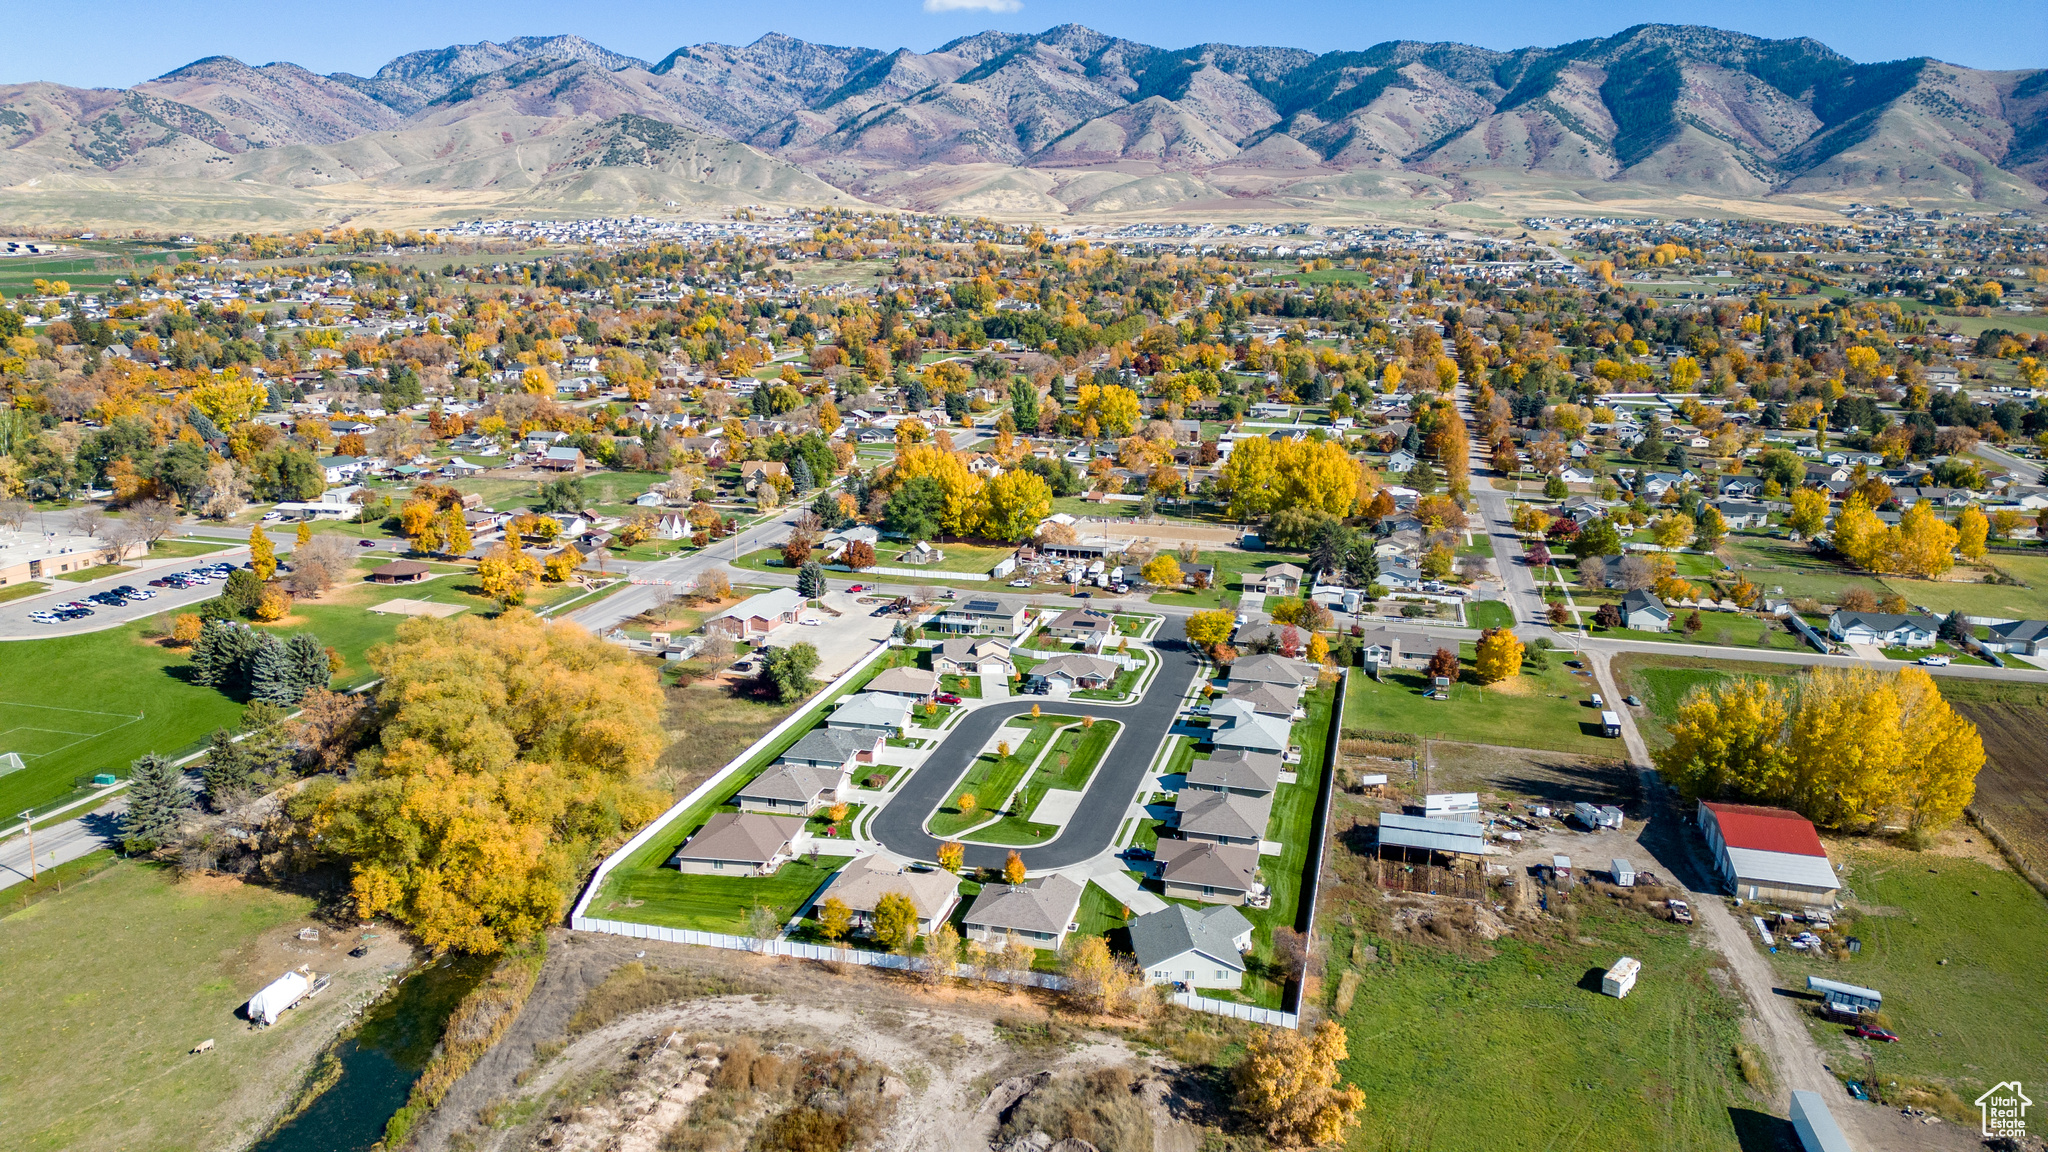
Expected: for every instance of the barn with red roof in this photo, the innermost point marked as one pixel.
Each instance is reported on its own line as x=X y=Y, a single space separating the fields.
x=1768 y=854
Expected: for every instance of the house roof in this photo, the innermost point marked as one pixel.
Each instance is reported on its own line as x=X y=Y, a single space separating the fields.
x=862 y=884
x=1211 y=865
x=1248 y=729
x=969 y=648
x=1225 y=814
x=987 y=606
x=768 y=605
x=1407 y=641
x=1076 y=667
x=796 y=782
x=1177 y=929
x=2021 y=630
x=1274 y=670
x=831 y=745
x=1266 y=699
x=1291 y=571
x=565 y=454
x=1641 y=600
x=915 y=681
x=754 y=837
x=1766 y=829
x=1237 y=768
x=1886 y=621
x=1046 y=904
x=400 y=568
x=1402 y=831
x=1085 y=619
x=870 y=709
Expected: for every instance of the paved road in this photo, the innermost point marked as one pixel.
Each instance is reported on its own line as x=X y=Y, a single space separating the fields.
x=1092 y=831
x=2027 y=470
x=63 y=842
x=630 y=602
x=1523 y=595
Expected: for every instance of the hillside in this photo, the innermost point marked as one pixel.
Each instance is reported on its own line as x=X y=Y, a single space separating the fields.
x=1069 y=120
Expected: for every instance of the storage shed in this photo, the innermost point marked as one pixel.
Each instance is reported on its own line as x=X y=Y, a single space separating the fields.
x=1815 y=1125
x=1768 y=854
x=281 y=994
x=1622 y=977
x=1624 y=873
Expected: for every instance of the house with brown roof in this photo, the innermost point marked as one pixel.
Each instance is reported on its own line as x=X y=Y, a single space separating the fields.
x=752 y=472
x=399 y=572
x=862 y=884
x=1224 y=817
x=1075 y=672
x=742 y=844
x=910 y=683
x=1038 y=912
x=1208 y=871
x=1279 y=580
x=1085 y=624
x=1281 y=700
x=1239 y=770
x=972 y=655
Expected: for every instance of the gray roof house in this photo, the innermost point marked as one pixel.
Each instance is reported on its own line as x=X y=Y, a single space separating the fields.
x=1883 y=629
x=742 y=843
x=1236 y=770
x=1036 y=911
x=1081 y=624
x=1241 y=727
x=981 y=616
x=1383 y=647
x=833 y=748
x=968 y=656
x=791 y=789
x=1074 y=671
x=909 y=683
x=1207 y=871
x=862 y=884
x=2026 y=637
x=1199 y=947
x=1225 y=817
x=872 y=712
x=1282 y=700
x=1642 y=610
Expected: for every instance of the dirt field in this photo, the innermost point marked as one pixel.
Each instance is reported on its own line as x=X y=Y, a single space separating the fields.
x=633 y=1081
x=2012 y=791
x=1511 y=774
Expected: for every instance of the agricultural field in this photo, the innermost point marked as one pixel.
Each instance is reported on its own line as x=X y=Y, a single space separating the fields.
x=99 y=1060
x=1953 y=938
x=2027 y=600
x=2012 y=790
x=1548 y=709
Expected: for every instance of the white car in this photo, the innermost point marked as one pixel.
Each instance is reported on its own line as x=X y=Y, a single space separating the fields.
x=808 y=623
x=1934 y=661
x=1020 y=583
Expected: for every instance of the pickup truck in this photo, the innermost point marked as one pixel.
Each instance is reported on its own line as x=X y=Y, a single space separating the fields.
x=1680 y=911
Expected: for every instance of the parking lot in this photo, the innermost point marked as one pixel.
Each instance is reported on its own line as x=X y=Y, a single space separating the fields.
x=18 y=620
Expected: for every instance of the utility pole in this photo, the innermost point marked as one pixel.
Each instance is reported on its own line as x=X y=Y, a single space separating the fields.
x=28 y=817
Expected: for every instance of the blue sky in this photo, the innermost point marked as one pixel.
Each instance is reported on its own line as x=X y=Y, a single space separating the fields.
x=122 y=42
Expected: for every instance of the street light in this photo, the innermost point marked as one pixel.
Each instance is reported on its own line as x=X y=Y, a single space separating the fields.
x=28 y=817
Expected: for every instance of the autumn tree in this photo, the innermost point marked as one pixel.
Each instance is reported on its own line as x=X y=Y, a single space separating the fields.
x=941 y=953
x=1013 y=504
x=1498 y=656
x=262 y=553
x=455 y=537
x=1444 y=665
x=950 y=854
x=1208 y=629
x=1971 y=531
x=1162 y=571
x=967 y=803
x=1013 y=868
x=509 y=750
x=1809 y=514
x=835 y=919
x=1287 y=1085
x=894 y=925
x=420 y=522
x=506 y=573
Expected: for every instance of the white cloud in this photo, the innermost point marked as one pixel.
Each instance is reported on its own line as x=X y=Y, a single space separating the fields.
x=972 y=5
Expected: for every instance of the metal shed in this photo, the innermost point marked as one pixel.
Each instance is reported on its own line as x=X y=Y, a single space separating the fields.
x=1624 y=873
x=1622 y=977
x=1815 y=1125
x=1846 y=998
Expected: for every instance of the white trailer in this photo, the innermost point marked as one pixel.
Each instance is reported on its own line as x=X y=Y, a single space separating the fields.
x=1815 y=1125
x=1621 y=977
x=281 y=994
x=1624 y=873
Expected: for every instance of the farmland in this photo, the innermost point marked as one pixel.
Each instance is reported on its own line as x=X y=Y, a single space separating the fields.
x=2012 y=790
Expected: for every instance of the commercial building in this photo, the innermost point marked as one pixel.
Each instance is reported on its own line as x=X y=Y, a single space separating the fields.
x=1768 y=854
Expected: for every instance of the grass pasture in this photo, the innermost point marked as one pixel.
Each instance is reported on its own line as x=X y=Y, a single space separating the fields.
x=1548 y=709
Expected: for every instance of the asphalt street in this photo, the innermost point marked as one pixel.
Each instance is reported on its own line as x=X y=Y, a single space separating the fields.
x=1092 y=831
x=654 y=580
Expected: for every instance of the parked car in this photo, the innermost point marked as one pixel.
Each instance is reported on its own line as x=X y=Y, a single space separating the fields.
x=1855 y=1088
x=366 y=543
x=808 y=623
x=1935 y=661
x=1084 y=595
x=946 y=698
x=1136 y=853
x=858 y=588
x=1873 y=1032
x=1020 y=583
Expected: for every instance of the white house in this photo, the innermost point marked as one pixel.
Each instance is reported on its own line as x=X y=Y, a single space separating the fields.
x=1199 y=947
x=1883 y=629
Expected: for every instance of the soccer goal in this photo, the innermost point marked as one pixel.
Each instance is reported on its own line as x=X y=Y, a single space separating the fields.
x=10 y=762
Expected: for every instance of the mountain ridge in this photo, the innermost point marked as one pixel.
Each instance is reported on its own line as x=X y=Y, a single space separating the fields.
x=1671 y=110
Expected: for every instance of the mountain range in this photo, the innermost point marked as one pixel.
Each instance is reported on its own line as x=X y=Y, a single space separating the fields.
x=1068 y=121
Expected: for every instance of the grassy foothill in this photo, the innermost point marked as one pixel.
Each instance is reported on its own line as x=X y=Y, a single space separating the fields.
x=97 y=1061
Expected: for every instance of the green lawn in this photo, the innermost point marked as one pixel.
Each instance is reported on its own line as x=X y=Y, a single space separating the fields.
x=1489 y=614
x=1965 y=1024
x=1230 y=569
x=1100 y=912
x=960 y=558
x=22 y=591
x=717 y=903
x=991 y=778
x=1119 y=688
x=1534 y=710
x=95 y=572
x=1782 y=568
x=180 y=548
x=1068 y=764
x=1510 y=1048
x=98 y=1062
x=2025 y=601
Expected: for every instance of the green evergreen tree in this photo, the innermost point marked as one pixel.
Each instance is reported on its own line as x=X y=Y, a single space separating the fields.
x=800 y=475
x=243 y=590
x=157 y=801
x=226 y=767
x=810 y=580
x=271 y=675
x=308 y=661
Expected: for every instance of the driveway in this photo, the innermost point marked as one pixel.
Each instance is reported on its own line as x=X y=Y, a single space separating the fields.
x=900 y=826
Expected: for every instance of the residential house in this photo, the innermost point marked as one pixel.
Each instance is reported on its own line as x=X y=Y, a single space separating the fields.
x=752 y=472
x=814 y=772
x=2026 y=637
x=1883 y=629
x=1039 y=912
x=342 y=469
x=862 y=884
x=1074 y=672
x=1088 y=625
x=1387 y=648
x=1279 y=580
x=742 y=843
x=1298 y=674
x=1208 y=871
x=1281 y=700
x=541 y=441
x=559 y=459
x=981 y=616
x=1401 y=462
x=672 y=526
x=969 y=656
x=1198 y=947
x=1236 y=770
x=873 y=712
x=757 y=616
x=1741 y=514
x=1742 y=488
x=1643 y=611
x=1224 y=817
x=912 y=684
x=1400 y=576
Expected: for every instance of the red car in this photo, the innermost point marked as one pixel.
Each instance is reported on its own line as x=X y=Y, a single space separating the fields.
x=857 y=588
x=1873 y=1032
x=946 y=698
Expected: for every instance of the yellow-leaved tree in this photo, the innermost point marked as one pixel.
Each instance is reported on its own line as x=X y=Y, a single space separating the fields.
x=1162 y=571
x=1728 y=741
x=1497 y=657
x=1972 y=530
x=1809 y=513
x=1013 y=504
x=1209 y=629
x=506 y=573
x=509 y=750
x=262 y=553
x=1287 y=1085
